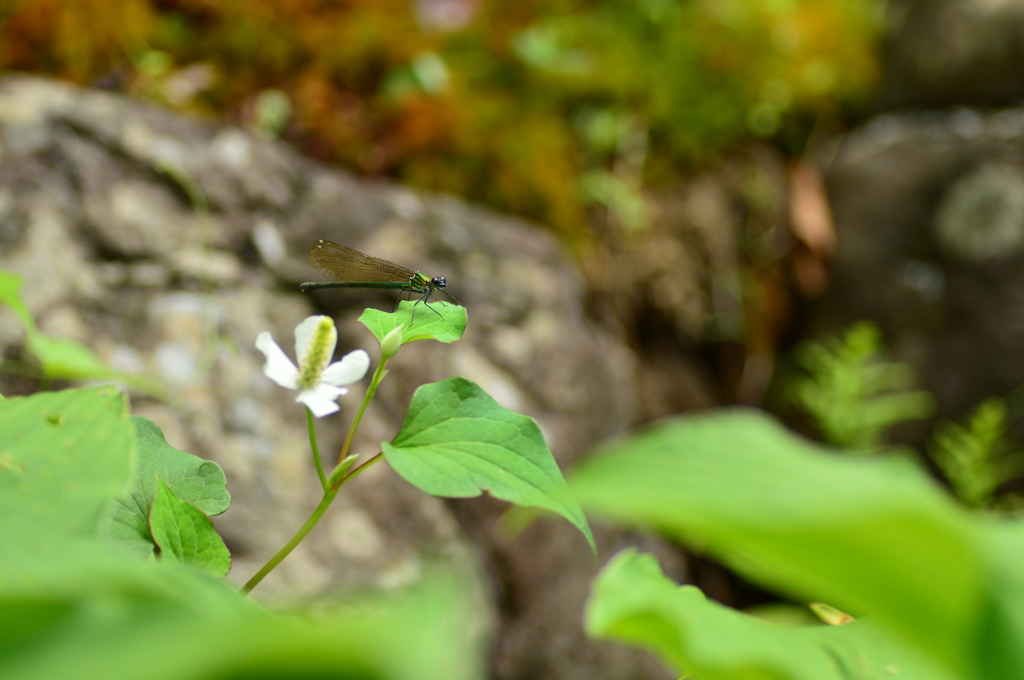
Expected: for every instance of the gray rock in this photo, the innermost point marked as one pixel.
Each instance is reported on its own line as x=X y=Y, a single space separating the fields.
x=929 y=209
x=944 y=53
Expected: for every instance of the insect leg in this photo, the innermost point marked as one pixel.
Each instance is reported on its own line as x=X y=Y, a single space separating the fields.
x=451 y=296
x=427 y=294
x=398 y=301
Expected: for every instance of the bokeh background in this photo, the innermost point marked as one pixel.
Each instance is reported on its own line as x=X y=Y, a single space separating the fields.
x=594 y=119
x=718 y=180
x=549 y=110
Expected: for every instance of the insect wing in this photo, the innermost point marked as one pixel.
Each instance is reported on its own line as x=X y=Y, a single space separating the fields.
x=341 y=263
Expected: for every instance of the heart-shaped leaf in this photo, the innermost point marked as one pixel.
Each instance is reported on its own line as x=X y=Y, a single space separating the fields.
x=442 y=321
x=194 y=480
x=457 y=441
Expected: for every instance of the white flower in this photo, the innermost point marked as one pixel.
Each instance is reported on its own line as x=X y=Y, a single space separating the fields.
x=319 y=384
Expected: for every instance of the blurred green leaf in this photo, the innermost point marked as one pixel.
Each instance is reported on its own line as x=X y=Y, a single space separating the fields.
x=65 y=359
x=633 y=602
x=457 y=441
x=829 y=614
x=86 y=612
x=273 y=109
x=446 y=325
x=194 y=480
x=68 y=359
x=10 y=295
x=75 y=606
x=867 y=535
x=999 y=652
x=625 y=201
x=542 y=47
x=185 y=534
x=62 y=456
x=431 y=72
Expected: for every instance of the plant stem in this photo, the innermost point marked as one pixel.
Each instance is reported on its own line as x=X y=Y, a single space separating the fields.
x=296 y=539
x=316 y=449
x=378 y=375
x=329 y=494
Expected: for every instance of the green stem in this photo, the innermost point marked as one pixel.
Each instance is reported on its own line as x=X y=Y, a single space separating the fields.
x=378 y=375
x=316 y=449
x=296 y=539
x=329 y=494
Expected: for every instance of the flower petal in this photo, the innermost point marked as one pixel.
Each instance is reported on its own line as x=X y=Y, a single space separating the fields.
x=305 y=334
x=279 y=367
x=320 y=399
x=352 y=367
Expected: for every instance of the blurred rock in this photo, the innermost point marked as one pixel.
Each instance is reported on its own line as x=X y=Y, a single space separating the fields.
x=699 y=294
x=943 y=53
x=168 y=243
x=981 y=215
x=929 y=209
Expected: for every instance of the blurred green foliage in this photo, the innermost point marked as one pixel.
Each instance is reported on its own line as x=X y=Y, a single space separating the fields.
x=852 y=395
x=74 y=604
x=937 y=591
x=61 y=358
x=512 y=104
x=980 y=456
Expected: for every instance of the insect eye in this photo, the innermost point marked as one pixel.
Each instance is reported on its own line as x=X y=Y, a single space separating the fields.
x=440 y=281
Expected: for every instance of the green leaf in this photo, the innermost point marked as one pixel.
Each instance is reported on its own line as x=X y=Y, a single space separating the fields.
x=194 y=480
x=78 y=609
x=633 y=602
x=59 y=358
x=457 y=441
x=867 y=535
x=73 y=606
x=446 y=325
x=68 y=359
x=340 y=469
x=62 y=456
x=71 y=360
x=185 y=534
x=10 y=295
x=999 y=653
